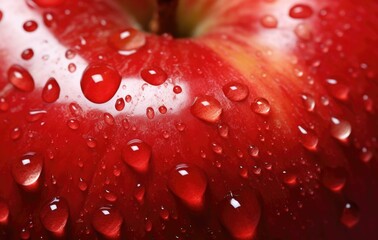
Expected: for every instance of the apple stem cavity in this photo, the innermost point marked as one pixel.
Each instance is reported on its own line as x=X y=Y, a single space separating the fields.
x=164 y=17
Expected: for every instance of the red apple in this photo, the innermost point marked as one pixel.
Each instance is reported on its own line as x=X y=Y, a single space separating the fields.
x=247 y=119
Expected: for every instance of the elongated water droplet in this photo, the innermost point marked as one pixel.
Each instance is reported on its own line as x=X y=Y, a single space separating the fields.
x=27 y=54
x=308 y=102
x=207 y=108
x=139 y=193
x=54 y=216
x=4 y=213
x=300 y=11
x=27 y=170
x=109 y=119
x=188 y=182
x=127 y=40
x=107 y=221
x=340 y=129
x=49 y=19
x=308 y=138
x=350 y=215
x=100 y=82
x=261 y=106
x=240 y=214
x=4 y=105
x=137 y=155
x=20 y=78
x=334 y=178
x=120 y=104
x=154 y=75
x=150 y=113
x=269 y=21
x=30 y=26
x=35 y=115
x=235 y=91
x=51 y=91
x=223 y=130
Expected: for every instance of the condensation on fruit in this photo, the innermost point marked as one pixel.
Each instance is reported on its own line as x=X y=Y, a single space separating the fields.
x=340 y=129
x=300 y=11
x=137 y=155
x=261 y=106
x=27 y=170
x=54 y=216
x=308 y=138
x=235 y=91
x=51 y=91
x=154 y=75
x=107 y=221
x=350 y=215
x=127 y=41
x=207 y=108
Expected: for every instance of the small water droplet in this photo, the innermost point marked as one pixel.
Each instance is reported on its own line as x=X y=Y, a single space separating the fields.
x=100 y=82
x=15 y=133
x=338 y=90
x=91 y=143
x=216 y=148
x=109 y=119
x=110 y=196
x=128 y=40
x=154 y=75
x=223 y=130
x=128 y=98
x=73 y=124
x=4 y=213
x=150 y=113
x=20 y=78
x=125 y=124
x=71 y=67
x=368 y=103
x=25 y=234
x=49 y=19
x=334 y=178
x=207 y=109
x=30 y=26
x=269 y=21
x=308 y=102
x=83 y=186
x=27 y=170
x=350 y=215
x=180 y=127
x=261 y=106
x=236 y=91
x=366 y=155
x=54 y=216
x=177 y=89
x=27 y=54
x=188 y=182
x=300 y=11
x=253 y=151
x=303 y=32
x=164 y=214
x=340 y=129
x=51 y=91
x=308 y=138
x=163 y=109
x=70 y=54
x=120 y=104
x=107 y=221
x=35 y=115
x=289 y=178
x=4 y=105
x=137 y=155
x=139 y=193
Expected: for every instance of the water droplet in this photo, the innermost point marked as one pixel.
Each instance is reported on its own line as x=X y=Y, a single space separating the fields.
x=154 y=75
x=30 y=26
x=27 y=170
x=180 y=127
x=128 y=98
x=308 y=102
x=20 y=78
x=71 y=67
x=107 y=221
x=289 y=178
x=49 y=19
x=207 y=109
x=70 y=54
x=253 y=151
x=217 y=148
x=73 y=124
x=137 y=155
x=177 y=89
x=300 y=11
x=350 y=215
x=340 y=129
x=91 y=143
x=163 y=109
x=120 y=104
x=334 y=178
x=269 y=21
x=368 y=103
x=51 y=91
x=164 y=214
x=4 y=105
x=236 y=91
x=223 y=130
x=83 y=186
x=261 y=106
x=150 y=113
x=366 y=155
x=15 y=133
x=100 y=82
x=49 y=3
x=110 y=196
x=109 y=119
x=188 y=182
x=127 y=40
x=1 y=15
x=240 y=214
x=27 y=54
x=25 y=234
x=338 y=90
x=308 y=138
x=35 y=115
x=54 y=216
x=303 y=31
x=139 y=193
x=4 y=213
x=125 y=124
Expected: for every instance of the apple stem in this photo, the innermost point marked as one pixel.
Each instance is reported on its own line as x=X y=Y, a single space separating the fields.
x=164 y=19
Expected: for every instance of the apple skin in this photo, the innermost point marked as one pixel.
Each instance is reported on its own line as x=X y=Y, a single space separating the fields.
x=286 y=184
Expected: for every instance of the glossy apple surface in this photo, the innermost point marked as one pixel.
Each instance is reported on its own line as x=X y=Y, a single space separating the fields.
x=253 y=120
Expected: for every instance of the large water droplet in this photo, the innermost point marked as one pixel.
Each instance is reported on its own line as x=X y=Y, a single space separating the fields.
x=188 y=182
x=308 y=138
x=235 y=91
x=100 y=82
x=107 y=221
x=137 y=155
x=54 y=216
x=127 y=40
x=261 y=106
x=269 y=21
x=51 y=91
x=240 y=214
x=207 y=108
x=154 y=75
x=300 y=11
x=20 y=78
x=4 y=213
x=340 y=129
x=350 y=215
x=49 y=3
x=27 y=170
x=334 y=178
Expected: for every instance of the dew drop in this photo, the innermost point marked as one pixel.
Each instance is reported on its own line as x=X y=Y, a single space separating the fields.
x=20 y=78
x=308 y=102
x=154 y=75
x=261 y=106
x=54 y=216
x=180 y=127
x=70 y=54
x=100 y=82
x=164 y=214
x=35 y=115
x=368 y=103
x=150 y=113
x=334 y=178
x=269 y=21
x=110 y=196
x=4 y=213
x=27 y=54
x=188 y=182
x=120 y=104
x=308 y=138
x=137 y=155
x=51 y=91
x=236 y=91
x=127 y=40
x=30 y=26
x=207 y=109
x=340 y=129
x=49 y=3
x=240 y=214
x=25 y=234
x=125 y=124
x=27 y=170
x=300 y=11
x=350 y=215
x=107 y=221
x=338 y=90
